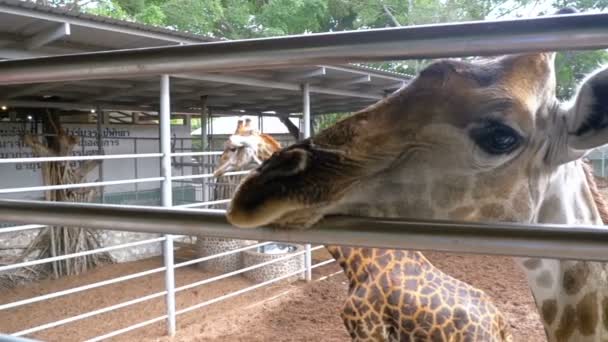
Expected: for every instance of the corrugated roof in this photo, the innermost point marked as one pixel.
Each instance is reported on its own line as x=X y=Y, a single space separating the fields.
x=100 y=19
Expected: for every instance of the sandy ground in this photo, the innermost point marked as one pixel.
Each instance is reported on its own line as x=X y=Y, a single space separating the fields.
x=281 y=312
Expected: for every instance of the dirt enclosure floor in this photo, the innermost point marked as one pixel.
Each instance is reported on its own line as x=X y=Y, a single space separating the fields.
x=294 y=311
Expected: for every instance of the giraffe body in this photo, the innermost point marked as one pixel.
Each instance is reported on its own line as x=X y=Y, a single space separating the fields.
x=400 y=296
x=393 y=295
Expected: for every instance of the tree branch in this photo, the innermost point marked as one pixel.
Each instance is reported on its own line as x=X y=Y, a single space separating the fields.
x=390 y=15
x=293 y=129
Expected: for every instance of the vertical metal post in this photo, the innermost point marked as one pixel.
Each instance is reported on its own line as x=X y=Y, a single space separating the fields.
x=100 y=151
x=603 y=163
x=136 y=170
x=204 y=161
x=306 y=110
x=203 y=123
x=167 y=196
x=306 y=134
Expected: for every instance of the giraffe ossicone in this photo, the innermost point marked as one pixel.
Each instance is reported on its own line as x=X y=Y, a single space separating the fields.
x=479 y=141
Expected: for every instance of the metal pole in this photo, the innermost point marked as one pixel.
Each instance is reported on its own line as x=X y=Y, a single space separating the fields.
x=480 y=38
x=204 y=160
x=306 y=110
x=603 y=163
x=204 y=123
x=167 y=196
x=543 y=241
x=136 y=169
x=306 y=134
x=100 y=151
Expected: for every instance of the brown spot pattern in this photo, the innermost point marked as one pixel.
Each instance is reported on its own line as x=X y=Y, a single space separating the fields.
x=403 y=297
x=492 y=210
x=549 y=310
x=575 y=277
x=532 y=264
x=587 y=314
x=567 y=324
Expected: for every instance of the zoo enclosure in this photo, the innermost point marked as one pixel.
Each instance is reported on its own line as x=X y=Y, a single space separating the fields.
x=580 y=31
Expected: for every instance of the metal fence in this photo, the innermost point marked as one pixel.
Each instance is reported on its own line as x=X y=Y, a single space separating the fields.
x=166 y=241
x=581 y=31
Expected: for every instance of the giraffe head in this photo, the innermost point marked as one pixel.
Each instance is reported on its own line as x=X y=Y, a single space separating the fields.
x=245 y=149
x=464 y=141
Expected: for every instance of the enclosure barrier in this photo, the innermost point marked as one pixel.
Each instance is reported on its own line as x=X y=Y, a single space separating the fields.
x=166 y=240
x=550 y=241
x=89 y=314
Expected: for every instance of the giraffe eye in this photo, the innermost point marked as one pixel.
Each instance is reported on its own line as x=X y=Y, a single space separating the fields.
x=232 y=149
x=496 y=138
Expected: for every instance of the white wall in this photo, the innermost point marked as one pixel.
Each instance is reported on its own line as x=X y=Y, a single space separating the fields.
x=118 y=139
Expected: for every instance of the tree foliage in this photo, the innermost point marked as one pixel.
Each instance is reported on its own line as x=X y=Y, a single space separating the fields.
x=235 y=19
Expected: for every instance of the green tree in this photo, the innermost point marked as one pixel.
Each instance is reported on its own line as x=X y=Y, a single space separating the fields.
x=234 y=19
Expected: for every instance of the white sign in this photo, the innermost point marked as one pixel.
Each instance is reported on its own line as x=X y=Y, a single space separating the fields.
x=116 y=139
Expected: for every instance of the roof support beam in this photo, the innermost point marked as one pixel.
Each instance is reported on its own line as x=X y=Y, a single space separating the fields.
x=305 y=75
x=395 y=86
x=342 y=83
x=253 y=82
x=82 y=20
x=135 y=88
x=45 y=37
x=27 y=90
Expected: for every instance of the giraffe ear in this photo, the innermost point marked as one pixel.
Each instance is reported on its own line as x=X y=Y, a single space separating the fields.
x=587 y=118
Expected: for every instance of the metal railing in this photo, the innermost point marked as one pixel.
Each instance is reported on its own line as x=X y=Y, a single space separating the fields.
x=549 y=33
x=166 y=240
x=538 y=240
x=132 y=276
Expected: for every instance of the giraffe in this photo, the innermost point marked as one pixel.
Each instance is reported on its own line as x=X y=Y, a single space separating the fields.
x=245 y=148
x=382 y=282
x=485 y=140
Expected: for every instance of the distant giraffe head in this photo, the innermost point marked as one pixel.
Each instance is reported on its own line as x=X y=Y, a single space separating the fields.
x=245 y=149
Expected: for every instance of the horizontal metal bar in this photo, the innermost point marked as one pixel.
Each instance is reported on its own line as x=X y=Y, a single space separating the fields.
x=549 y=33
x=127 y=329
x=218 y=255
x=21 y=228
x=209 y=175
x=80 y=288
x=76 y=158
x=80 y=185
x=236 y=293
x=317 y=248
x=193 y=154
x=254 y=82
x=239 y=271
x=323 y=263
x=7 y=338
x=89 y=314
x=551 y=241
x=200 y=204
x=79 y=254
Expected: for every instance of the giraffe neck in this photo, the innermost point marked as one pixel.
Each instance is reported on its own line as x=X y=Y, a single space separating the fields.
x=572 y=296
x=361 y=263
x=266 y=147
